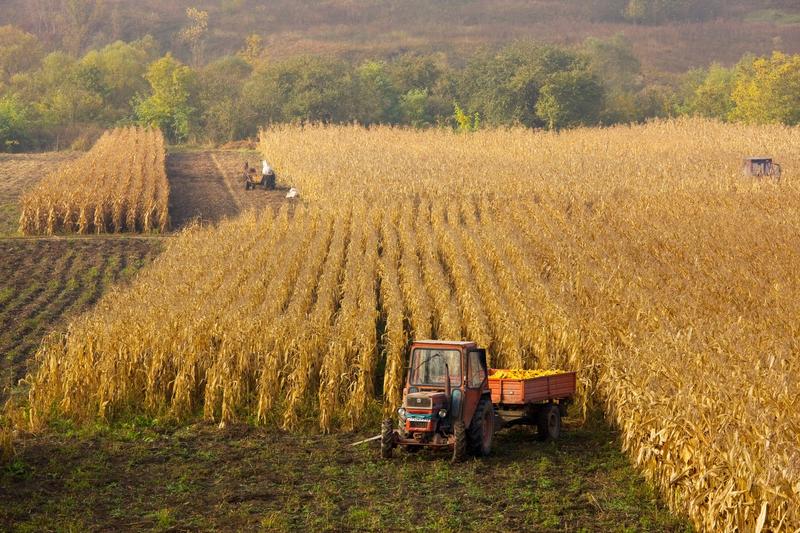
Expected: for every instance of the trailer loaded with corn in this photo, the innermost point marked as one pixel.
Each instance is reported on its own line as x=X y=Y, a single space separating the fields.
x=453 y=401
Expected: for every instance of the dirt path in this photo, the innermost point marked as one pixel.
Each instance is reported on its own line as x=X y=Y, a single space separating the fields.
x=206 y=187
x=197 y=191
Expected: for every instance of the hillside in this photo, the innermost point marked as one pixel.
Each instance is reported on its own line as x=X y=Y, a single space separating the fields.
x=356 y=28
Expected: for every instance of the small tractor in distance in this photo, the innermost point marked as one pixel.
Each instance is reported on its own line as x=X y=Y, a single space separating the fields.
x=252 y=179
x=761 y=167
x=452 y=402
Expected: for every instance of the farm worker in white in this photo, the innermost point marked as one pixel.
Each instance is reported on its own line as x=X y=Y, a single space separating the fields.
x=267 y=175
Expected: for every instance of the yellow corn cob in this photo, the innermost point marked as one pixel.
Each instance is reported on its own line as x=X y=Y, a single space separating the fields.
x=517 y=373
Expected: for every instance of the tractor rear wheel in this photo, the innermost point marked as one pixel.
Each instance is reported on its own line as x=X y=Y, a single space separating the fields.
x=460 y=446
x=481 y=431
x=387 y=439
x=549 y=423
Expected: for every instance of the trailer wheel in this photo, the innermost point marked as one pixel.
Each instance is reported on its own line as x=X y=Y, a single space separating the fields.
x=481 y=431
x=549 y=423
x=460 y=446
x=387 y=439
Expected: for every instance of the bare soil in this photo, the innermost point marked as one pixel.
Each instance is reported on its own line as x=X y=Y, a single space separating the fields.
x=207 y=187
x=44 y=282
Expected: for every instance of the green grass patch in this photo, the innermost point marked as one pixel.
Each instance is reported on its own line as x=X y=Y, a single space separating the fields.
x=153 y=474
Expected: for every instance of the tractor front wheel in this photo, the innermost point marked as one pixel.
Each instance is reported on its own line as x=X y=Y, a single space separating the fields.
x=387 y=439
x=549 y=423
x=460 y=446
x=481 y=431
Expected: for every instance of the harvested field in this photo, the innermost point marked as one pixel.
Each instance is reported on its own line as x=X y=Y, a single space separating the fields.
x=206 y=187
x=44 y=282
x=142 y=476
x=19 y=173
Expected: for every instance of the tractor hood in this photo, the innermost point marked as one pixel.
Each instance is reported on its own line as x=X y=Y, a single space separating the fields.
x=432 y=400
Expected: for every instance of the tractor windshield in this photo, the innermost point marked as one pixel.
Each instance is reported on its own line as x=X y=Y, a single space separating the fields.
x=428 y=367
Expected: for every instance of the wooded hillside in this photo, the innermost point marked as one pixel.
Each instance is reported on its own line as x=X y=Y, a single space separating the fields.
x=667 y=35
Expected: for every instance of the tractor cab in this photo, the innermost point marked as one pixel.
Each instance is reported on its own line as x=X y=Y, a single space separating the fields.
x=446 y=401
x=759 y=167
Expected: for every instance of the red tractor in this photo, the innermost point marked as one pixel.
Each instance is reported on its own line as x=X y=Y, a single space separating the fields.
x=451 y=402
x=761 y=167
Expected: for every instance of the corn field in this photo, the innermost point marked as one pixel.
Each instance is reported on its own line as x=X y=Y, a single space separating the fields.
x=638 y=256
x=120 y=185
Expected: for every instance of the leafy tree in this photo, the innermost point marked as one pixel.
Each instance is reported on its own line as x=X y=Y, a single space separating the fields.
x=14 y=120
x=63 y=92
x=169 y=106
x=376 y=96
x=195 y=33
x=426 y=89
x=571 y=98
x=301 y=89
x=712 y=96
x=416 y=108
x=465 y=122
x=253 y=50
x=414 y=71
x=219 y=98
x=504 y=87
x=613 y=62
x=768 y=90
x=19 y=52
x=121 y=68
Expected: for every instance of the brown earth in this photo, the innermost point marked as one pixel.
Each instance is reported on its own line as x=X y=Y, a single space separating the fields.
x=207 y=187
x=44 y=282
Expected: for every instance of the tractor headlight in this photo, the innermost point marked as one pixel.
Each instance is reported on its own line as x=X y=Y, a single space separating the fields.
x=402 y=413
x=442 y=413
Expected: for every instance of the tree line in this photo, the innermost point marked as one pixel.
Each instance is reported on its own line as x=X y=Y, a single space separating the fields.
x=57 y=100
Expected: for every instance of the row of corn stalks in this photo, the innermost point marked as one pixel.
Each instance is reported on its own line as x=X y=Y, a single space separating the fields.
x=637 y=256
x=120 y=185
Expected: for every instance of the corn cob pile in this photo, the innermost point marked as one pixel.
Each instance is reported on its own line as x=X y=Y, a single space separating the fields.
x=516 y=373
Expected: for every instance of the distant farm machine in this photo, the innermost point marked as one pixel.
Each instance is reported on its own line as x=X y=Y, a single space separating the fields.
x=761 y=167
x=453 y=401
x=253 y=179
